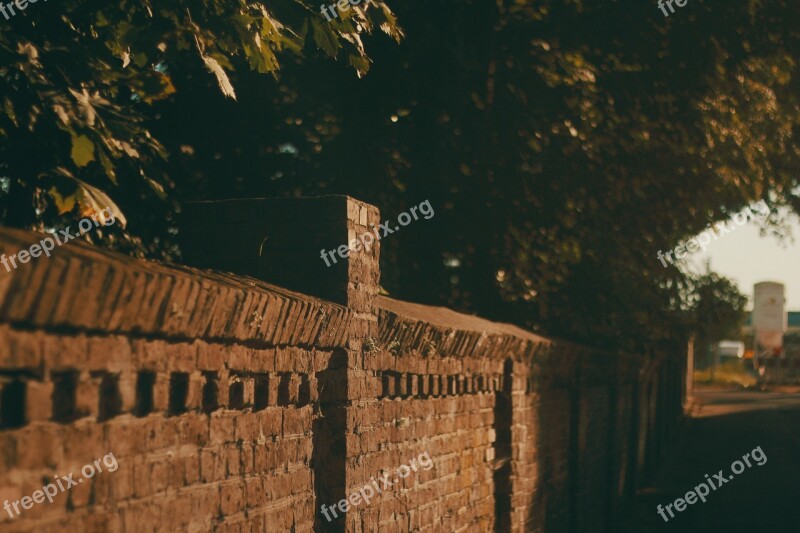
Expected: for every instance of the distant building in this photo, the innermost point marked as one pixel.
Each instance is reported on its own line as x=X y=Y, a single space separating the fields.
x=793 y=324
x=727 y=349
x=769 y=318
x=769 y=321
x=791 y=339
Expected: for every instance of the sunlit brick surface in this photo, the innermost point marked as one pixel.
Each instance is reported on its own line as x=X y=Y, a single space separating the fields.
x=235 y=405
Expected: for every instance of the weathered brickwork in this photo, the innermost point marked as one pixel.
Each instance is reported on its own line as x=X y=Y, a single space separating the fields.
x=232 y=404
x=435 y=404
x=207 y=436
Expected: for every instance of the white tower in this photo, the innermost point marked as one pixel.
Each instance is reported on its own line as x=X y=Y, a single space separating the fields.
x=769 y=317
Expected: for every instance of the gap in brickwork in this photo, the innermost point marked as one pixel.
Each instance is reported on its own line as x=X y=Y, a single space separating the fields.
x=421 y=386
x=287 y=389
x=12 y=401
x=145 y=381
x=502 y=449
x=110 y=399
x=329 y=445
x=530 y=385
x=178 y=390
x=283 y=389
x=236 y=395
x=210 y=392
x=65 y=387
x=261 y=392
x=304 y=394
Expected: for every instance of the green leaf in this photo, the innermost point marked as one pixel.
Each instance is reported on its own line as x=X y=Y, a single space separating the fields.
x=388 y=22
x=108 y=166
x=63 y=204
x=243 y=20
x=8 y=107
x=102 y=21
x=325 y=37
x=361 y=64
x=153 y=85
x=82 y=150
x=140 y=59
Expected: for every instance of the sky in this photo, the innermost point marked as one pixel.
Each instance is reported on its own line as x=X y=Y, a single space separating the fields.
x=748 y=258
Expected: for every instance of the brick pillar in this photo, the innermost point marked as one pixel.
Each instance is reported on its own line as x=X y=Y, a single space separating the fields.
x=282 y=242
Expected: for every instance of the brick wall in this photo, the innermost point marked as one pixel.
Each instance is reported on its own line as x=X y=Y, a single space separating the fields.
x=779 y=371
x=232 y=404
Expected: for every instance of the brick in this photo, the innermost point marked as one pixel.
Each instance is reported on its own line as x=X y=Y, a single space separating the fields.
x=23 y=349
x=123 y=481
x=222 y=427
x=232 y=497
x=209 y=357
x=38 y=445
x=87 y=395
x=125 y=438
x=194 y=397
x=38 y=403
x=127 y=390
x=210 y=469
x=141 y=479
x=293 y=422
x=79 y=495
x=161 y=392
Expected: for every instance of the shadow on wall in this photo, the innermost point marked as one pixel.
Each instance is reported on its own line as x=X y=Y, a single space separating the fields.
x=329 y=455
x=591 y=444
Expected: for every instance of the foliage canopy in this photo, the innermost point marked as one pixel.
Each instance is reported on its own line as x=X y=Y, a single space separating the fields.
x=561 y=143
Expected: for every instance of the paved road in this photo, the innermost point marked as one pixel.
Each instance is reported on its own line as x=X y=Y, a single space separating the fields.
x=727 y=426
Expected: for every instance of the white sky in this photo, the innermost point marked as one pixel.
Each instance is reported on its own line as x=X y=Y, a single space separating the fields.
x=748 y=258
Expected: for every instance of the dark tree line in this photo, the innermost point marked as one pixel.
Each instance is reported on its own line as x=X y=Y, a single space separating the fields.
x=562 y=144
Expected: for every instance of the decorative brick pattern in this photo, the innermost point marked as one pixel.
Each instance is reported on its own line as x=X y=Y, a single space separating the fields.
x=201 y=469
x=235 y=405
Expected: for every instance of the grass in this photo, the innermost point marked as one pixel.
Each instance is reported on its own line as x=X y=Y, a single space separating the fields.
x=735 y=372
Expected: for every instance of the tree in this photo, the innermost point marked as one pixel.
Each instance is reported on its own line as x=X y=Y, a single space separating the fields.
x=718 y=312
x=79 y=80
x=561 y=144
